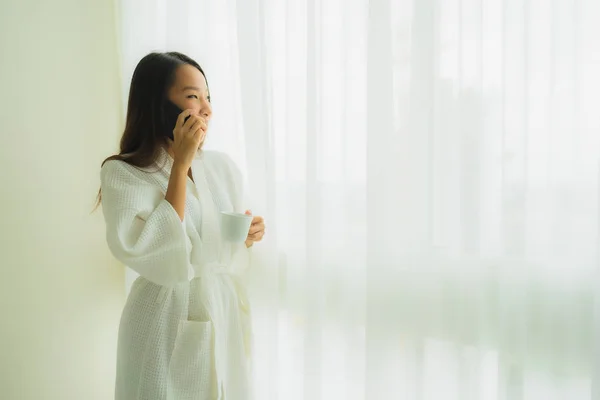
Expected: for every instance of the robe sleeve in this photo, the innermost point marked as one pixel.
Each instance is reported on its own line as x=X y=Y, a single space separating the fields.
x=242 y=255
x=237 y=186
x=143 y=230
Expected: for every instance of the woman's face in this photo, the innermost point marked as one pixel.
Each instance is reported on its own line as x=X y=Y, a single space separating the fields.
x=190 y=91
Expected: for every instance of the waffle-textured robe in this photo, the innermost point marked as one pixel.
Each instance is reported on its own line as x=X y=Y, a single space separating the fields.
x=185 y=329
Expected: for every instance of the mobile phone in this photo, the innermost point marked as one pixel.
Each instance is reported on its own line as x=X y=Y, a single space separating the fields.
x=170 y=114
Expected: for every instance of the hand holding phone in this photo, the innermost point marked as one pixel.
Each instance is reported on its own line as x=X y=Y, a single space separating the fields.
x=170 y=114
x=188 y=136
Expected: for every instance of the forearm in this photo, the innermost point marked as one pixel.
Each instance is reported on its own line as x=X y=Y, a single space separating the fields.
x=177 y=188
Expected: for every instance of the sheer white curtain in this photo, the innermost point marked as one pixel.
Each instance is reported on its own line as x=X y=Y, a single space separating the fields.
x=428 y=170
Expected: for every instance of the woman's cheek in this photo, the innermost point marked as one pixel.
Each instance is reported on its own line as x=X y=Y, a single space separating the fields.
x=191 y=105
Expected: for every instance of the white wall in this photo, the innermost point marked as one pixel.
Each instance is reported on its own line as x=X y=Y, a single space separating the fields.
x=61 y=292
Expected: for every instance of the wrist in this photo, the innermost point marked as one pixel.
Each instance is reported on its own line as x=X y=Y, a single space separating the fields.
x=179 y=169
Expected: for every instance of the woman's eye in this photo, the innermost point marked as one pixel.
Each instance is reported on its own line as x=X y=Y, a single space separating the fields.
x=193 y=95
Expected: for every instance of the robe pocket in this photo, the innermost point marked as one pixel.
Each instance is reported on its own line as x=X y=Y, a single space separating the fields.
x=192 y=374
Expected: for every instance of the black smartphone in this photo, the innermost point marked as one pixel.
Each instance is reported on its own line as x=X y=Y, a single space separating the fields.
x=170 y=114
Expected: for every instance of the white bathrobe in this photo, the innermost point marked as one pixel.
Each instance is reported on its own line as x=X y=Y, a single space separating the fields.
x=185 y=329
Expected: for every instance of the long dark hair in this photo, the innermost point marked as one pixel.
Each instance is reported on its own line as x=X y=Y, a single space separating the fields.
x=145 y=124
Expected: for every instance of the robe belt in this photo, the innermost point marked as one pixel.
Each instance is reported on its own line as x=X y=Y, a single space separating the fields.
x=220 y=320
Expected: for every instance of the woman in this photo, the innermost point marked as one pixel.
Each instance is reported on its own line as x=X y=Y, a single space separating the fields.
x=184 y=332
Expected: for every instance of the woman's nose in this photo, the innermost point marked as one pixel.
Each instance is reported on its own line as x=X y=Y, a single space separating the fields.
x=206 y=113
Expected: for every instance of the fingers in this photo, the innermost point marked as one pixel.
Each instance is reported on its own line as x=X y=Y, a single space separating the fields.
x=181 y=118
x=256 y=228
x=199 y=135
x=179 y=130
x=194 y=124
x=257 y=237
x=197 y=123
x=194 y=127
x=198 y=129
x=191 y=125
x=258 y=224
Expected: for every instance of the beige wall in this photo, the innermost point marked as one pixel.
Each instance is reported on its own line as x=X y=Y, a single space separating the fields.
x=61 y=292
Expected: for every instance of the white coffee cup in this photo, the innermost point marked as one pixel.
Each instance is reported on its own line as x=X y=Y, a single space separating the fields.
x=235 y=226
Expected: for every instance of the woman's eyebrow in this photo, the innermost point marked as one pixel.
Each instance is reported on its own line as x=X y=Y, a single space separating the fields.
x=196 y=88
